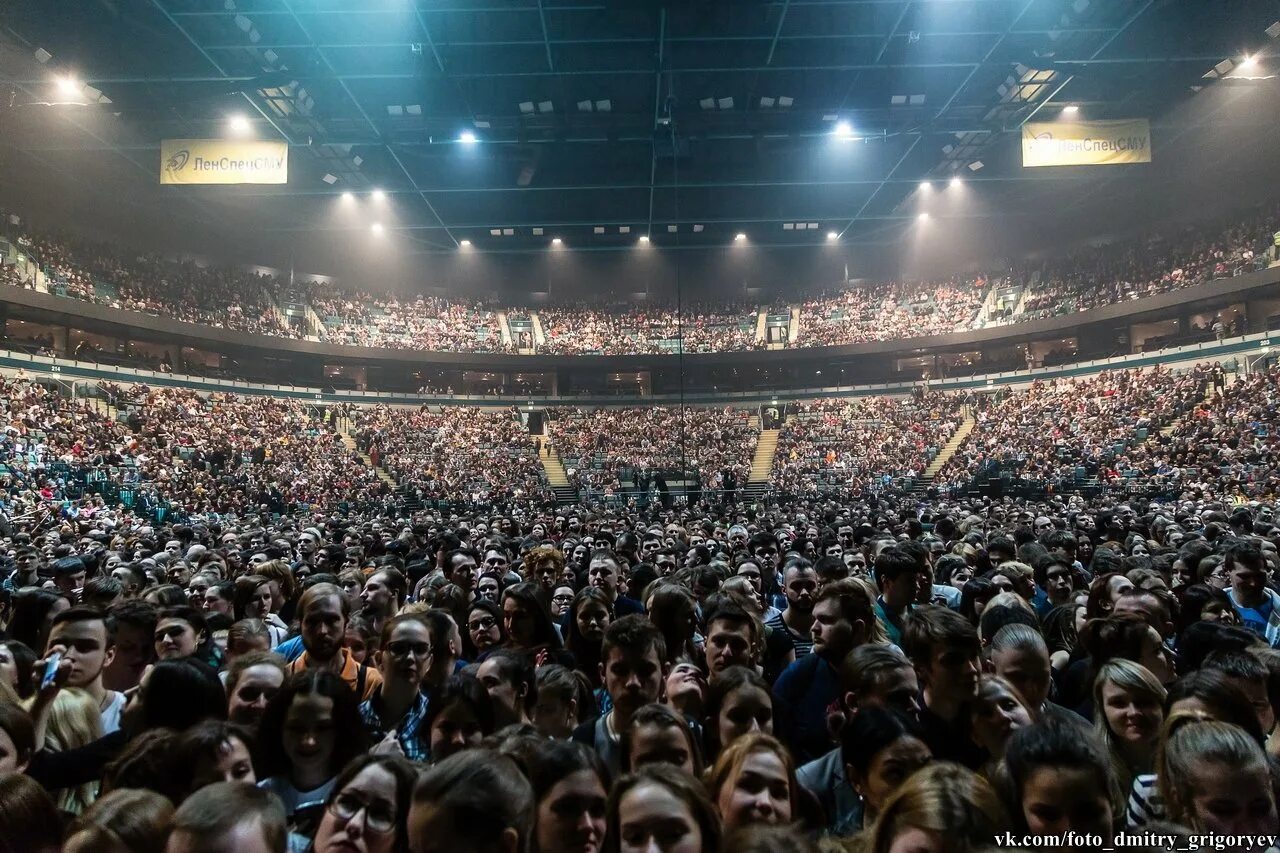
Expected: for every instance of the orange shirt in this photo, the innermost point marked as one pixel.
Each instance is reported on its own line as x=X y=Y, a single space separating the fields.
x=350 y=673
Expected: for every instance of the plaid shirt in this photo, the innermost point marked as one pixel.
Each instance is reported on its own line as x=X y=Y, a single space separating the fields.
x=413 y=739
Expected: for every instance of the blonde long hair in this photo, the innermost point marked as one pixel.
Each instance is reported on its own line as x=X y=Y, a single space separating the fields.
x=1134 y=678
x=74 y=721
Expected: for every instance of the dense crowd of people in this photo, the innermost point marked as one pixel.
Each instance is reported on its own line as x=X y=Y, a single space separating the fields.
x=846 y=672
x=611 y=451
x=890 y=311
x=867 y=311
x=427 y=323
x=454 y=452
x=209 y=295
x=1060 y=431
x=860 y=446
x=1154 y=263
x=627 y=330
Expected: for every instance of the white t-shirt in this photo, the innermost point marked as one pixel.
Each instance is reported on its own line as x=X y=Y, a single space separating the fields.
x=111 y=712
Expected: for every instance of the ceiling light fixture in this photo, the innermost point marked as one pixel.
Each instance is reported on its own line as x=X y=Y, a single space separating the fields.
x=377 y=228
x=1070 y=109
x=740 y=238
x=378 y=195
x=831 y=235
x=239 y=125
x=843 y=129
x=925 y=186
x=467 y=137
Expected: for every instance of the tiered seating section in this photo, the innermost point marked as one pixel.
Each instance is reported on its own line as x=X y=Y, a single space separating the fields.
x=844 y=447
x=461 y=452
x=1066 y=432
x=607 y=450
x=241 y=301
x=1131 y=431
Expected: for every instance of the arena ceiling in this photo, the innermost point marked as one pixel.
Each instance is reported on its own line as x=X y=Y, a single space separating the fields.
x=597 y=121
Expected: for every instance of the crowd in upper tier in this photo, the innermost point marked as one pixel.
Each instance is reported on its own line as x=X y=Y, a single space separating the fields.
x=870 y=311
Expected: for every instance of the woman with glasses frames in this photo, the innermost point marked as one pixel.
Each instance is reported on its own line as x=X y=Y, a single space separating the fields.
x=561 y=598
x=368 y=808
x=484 y=629
x=399 y=707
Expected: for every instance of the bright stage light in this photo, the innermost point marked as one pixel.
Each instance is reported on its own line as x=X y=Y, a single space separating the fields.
x=843 y=130
x=831 y=235
x=556 y=241
x=239 y=125
x=644 y=238
x=348 y=197
x=1070 y=109
x=925 y=186
x=955 y=182
x=740 y=238
x=467 y=138
x=378 y=195
x=924 y=216
x=464 y=244
x=1249 y=63
x=377 y=228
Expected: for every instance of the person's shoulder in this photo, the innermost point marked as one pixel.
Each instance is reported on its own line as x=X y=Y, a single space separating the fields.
x=585 y=733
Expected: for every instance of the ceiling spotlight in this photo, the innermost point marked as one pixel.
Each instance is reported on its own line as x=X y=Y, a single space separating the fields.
x=955 y=181
x=378 y=195
x=464 y=244
x=924 y=215
x=1070 y=109
x=925 y=186
x=556 y=241
x=69 y=86
x=831 y=235
x=348 y=197
x=376 y=228
x=467 y=138
x=740 y=238
x=239 y=125
x=644 y=238
x=843 y=129
x=1249 y=63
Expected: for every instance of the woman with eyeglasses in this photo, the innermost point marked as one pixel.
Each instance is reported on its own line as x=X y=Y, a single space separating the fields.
x=368 y=809
x=399 y=707
x=484 y=629
x=561 y=598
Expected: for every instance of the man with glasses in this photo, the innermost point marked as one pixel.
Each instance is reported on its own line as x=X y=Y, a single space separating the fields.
x=394 y=714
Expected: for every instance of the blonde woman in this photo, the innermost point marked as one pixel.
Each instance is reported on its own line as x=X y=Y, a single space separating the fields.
x=1213 y=778
x=1128 y=706
x=943 y=808
x=74 y=721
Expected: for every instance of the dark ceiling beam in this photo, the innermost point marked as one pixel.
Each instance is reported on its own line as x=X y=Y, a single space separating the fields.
x=181 y=79
x=694 y=39
x=689 y=221
x=964 y=84
x=377 y=131
x=177 y=25
x=657 y=114
x=546 y=39
x=858 y=216
x=782 y=19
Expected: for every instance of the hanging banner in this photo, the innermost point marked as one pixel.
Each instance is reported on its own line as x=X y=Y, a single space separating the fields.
x=223 y=161
x=1086 y=143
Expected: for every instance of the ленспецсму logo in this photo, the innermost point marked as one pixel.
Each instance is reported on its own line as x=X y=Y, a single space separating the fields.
x=177 y=160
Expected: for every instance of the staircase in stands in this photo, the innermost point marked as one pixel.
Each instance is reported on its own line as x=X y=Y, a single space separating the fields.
x=350 y=443
x=921 y=485
x=556 y=475
x=762 y=464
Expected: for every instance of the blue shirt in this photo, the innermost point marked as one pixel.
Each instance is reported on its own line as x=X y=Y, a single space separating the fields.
x=290 y=650
x=414 y=740
x=801 y=695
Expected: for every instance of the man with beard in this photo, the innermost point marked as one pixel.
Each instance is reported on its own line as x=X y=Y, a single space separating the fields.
x=323 y=612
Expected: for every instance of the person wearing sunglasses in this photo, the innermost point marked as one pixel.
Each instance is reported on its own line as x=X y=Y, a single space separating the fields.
x=399 y=706
x=368 y=807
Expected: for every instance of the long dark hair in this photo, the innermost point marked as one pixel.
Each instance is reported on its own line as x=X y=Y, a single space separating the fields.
x=29 y=623
x=349 y=730
x=180 y=693
x=586 y=655
x=529 y=595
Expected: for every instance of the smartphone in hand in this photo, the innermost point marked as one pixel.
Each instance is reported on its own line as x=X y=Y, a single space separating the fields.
x=51 y=669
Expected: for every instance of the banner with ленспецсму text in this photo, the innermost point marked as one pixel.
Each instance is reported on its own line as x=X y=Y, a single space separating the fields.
x=1086 y=143
x=223 y=161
